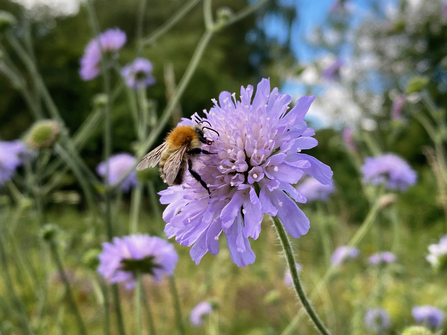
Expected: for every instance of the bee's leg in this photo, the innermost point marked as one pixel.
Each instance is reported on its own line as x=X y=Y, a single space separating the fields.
x=200 y=151
x=197 y=177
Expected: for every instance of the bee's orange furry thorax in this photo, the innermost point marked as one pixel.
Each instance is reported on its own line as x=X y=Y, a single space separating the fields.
x=181 y=135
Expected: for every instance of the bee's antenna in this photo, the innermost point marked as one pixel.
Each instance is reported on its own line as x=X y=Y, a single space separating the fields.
x=212 y=129
x=205 y=121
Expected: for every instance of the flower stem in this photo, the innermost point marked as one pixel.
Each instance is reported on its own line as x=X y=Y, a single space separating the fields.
x=71 y=299
x=178 y=312
x=295 y=277
x=150 y=319
x=138 y=303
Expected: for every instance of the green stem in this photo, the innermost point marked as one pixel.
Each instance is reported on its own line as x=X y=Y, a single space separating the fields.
x=155 y=204
x=138 y=303
x=170 y=23
x=150 y=319
x=396 y=229
x=81 y=326
x=371 y=143
x=355 y=240
x=245 y=12
x=135 y=206
x=178 y=311
x=207 y=14
x=295 y=277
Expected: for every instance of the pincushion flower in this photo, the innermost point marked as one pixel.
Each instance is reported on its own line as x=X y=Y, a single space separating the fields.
x=390 y=170
x=382 y=258
x=197 y=314
x=428 y=315
x=313 y=190
x=348 y=138
x=438 y=254
x=119 y=165
x=138 y=74
x=124 y=256
x=12 y=155
x=377 y=320
x=342 y=253
x=109 y=41
x=256 y=159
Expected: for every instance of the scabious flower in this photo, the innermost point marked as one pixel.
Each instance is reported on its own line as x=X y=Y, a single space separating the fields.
x=342 y=253
x=124 y=256
x=256 y=159
x=348 y=138
x=12 y=155
x=203 y=308
x=138 y=74
x=377 y=320
x=313 y=190
x=396 y=109
x=382 y=258
x=109 y=41
x=119 y=165
x=438 y=254
x=333 y=71
x=390 y=170
x=428 y=315
x=288 y=280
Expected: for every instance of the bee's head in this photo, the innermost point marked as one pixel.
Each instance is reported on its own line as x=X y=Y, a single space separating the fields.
x=202 y=138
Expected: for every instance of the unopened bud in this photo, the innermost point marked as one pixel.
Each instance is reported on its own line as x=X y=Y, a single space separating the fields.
x=387 y=200
x=224 y=14
x=416 y=330
x=7 y=20
x=49 y=231
x=100 y=100
x=417 y=84
x=42 y=134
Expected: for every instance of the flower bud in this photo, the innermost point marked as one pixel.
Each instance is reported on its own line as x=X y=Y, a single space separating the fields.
x=49 y=231
x=387 y=200
x=417 y=84
x=42 y=134
x=100 y=100
x=416 y=330
x=224 y=14
x=7 y=20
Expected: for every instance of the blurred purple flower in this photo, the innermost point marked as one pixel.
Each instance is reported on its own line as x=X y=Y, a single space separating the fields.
x=381 y=258
x=128 y=254
x=333 y=71
x=119 y=165
x=12 y=155
x=377 y=320
x=342 y=253
x=313 y=190
x=388 y=169
x=428 y=315
x=438 y=254
x=348 y=138
x=107 y=42
x=138 y=74
x=257 y=158
x=396 y=109
x=203 y=308
x=288 y=280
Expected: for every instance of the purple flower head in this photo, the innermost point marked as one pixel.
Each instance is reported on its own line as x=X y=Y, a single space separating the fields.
x=125 y=255
x=382 y=258
x=390 y=170
x=288 y=280
x=333 y=71
x=428 y=315
x=138 y=74
x=256 y=159
x=342 y=253
x=396 y=109
x=377 y=320
x=313 y=190
x=107 y=42
x=203 y=308
x=348 y=138
x=12 y=155
x=119 y=165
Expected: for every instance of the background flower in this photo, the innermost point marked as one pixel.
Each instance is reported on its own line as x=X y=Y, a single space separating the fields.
x=138 y=74
x=288 y=280
x=377 y=320
x=109 y=41
x=390 y=170
x=140 y=252
x=257 y=157
x=313 y=190
x=203 y=308
x=342 y=253
x=119 y=165
x=428 y=315
x=382 y=257
x=12 y=155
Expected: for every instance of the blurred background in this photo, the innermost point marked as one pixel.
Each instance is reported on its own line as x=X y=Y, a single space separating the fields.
x=378 y=69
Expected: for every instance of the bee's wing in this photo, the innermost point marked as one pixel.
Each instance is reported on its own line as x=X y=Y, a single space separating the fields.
x=152 y=158
x=173 y=164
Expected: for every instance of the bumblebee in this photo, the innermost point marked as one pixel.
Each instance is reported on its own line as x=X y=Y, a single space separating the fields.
x=174 y=156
